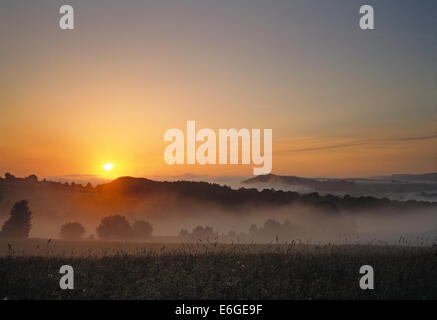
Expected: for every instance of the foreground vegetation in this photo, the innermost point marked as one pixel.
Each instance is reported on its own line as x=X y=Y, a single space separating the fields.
x=30 y=270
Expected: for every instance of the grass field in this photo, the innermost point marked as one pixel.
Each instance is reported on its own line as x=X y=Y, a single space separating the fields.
x=102 y=270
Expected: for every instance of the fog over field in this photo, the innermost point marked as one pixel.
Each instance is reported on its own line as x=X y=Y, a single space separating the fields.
x=235 y=215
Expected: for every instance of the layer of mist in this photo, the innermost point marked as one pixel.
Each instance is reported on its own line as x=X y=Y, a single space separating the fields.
x=176 y=209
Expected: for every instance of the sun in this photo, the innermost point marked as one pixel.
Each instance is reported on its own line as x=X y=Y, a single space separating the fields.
x=108 y=166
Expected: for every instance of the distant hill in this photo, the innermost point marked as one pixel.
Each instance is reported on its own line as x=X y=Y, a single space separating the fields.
x=170 y=206
x=314 y=184
x=427 y=177
x=395 y=187
x=127 y=193
x=232 y=199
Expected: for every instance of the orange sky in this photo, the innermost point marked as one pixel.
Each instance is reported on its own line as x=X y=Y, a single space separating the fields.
x=355 y=105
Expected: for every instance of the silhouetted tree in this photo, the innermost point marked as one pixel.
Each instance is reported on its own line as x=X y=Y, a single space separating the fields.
x=183 y=233
x=72 y=231
x=202 y=232
x=32 y=178
x=114 y=227
x=274 y=230
x=19 y=224
x=142 y=230
x=253 y=230
x=10 y=177
x=198 y=233
x=271 y=226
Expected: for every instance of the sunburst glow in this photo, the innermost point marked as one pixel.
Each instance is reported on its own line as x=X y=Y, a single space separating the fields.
x=108 y=166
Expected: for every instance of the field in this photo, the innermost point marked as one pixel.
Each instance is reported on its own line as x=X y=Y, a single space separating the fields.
x=103 y=270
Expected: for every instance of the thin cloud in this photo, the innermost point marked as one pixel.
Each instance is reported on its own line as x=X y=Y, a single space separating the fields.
x=416 y=138
x=362 y=142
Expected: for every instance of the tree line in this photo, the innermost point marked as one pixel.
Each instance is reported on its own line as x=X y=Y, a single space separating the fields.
x=114 y=227
x=117 y=227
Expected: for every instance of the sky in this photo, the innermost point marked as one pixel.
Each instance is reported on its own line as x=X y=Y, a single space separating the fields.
x=341 y=101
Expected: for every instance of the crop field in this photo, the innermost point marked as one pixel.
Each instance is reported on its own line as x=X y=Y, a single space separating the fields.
x=29 y=269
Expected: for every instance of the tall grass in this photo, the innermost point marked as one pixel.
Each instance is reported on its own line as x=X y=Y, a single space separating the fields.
x=218 y=271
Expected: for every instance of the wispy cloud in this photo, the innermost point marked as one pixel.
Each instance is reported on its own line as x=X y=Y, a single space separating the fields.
x=356 y=143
